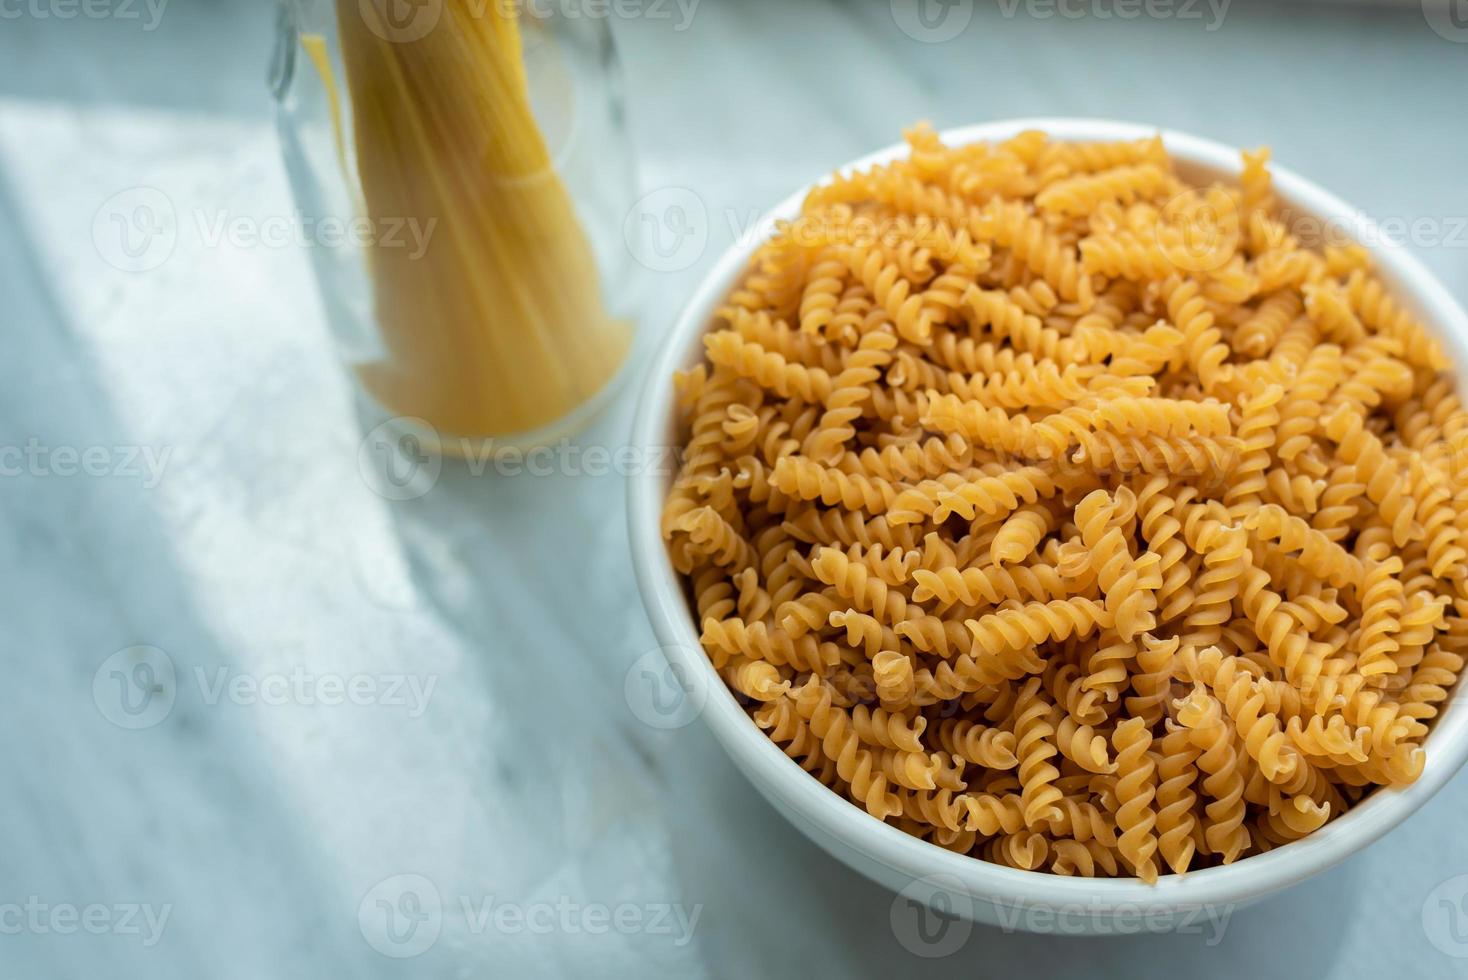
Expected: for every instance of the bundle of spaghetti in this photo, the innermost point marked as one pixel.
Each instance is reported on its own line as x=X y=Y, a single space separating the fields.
x=1124 y=556
x=498 y=326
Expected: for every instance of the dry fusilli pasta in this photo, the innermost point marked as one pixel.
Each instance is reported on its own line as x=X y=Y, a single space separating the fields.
x=1072 y=517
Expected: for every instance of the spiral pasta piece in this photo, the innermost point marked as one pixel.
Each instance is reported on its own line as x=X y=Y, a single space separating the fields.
x=1043 y=385
x=758 y=680
x=1176 y=770
x=1258 y=334
x=1298 y=817
x=983 y=745
x=1444 y=539
x=1081 y=194
x=1259 y=419
x=968 y=496
x=847 y=529
x=783 y=724
x=1037 y=775
x=774 y=334
x=889 y=729
x=1026 y=850
x=1259 y=731
x=1130 y=597
x=822 y=293
x=1205 y=459
x=854 y=582
x=1136 y=788
x=1081 y=744
x=1224 y=829
x=892 y=672
x=1318 y=554
x=1379 y=311
x=1151 y=681
x=1160 y=527
x=711 y=535
x=805 y=479
x=1020 y=535
x=727 y=637
x=890 y=289
x=912 y=460
x=767 y=368
x=1012 y=630
x=1300 y=413
x=839 y=741
x=1384 y=482
x=1008 y=225
x=1201 y=338
x=849 y=393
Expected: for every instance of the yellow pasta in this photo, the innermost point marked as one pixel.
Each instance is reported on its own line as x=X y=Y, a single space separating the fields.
x=1176 y=800
x=1136 y=787
x=892 y=672
x=498 y=327
x=1043 y=532
x=1223 y=777
x=1035 y=749
x=855 y=764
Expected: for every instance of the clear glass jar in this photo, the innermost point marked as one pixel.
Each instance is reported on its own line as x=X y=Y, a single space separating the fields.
x=467 y=170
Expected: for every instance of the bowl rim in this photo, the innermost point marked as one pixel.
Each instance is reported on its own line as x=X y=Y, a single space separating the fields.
x=781 y=779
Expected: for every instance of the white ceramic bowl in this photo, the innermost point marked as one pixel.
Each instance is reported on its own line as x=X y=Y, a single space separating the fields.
x=924 y=872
